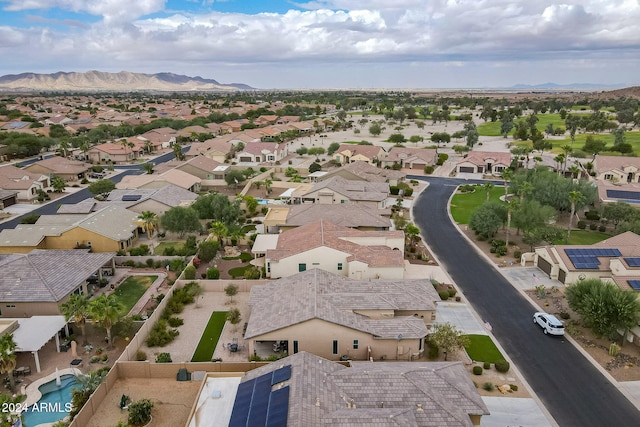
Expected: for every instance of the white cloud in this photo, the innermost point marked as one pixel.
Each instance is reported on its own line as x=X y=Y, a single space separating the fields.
x=456 y=33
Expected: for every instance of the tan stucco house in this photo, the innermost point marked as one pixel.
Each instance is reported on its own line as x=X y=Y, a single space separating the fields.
x=348 y=153
x=338 y=190
x=25 y=183
x=69 y=170
x=337 y=318
x=484 y=162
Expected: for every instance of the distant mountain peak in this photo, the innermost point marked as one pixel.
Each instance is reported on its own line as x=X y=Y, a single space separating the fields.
x=123 y=81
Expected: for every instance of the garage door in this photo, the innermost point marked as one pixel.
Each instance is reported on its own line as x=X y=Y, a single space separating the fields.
x=246 y=159
x=562 y=275
x=9 y=201
x=544 y=265
x=467 y=169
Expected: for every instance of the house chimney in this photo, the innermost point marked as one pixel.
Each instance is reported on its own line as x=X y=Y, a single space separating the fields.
x=419 y=409
x=317 y=401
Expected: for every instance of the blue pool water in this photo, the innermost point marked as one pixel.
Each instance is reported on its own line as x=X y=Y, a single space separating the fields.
x=54 y=405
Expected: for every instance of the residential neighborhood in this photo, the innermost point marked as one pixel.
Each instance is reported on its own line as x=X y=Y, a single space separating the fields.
x=282 y=262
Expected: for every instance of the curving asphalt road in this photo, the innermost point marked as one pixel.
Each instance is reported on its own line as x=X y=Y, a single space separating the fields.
x=570 y=387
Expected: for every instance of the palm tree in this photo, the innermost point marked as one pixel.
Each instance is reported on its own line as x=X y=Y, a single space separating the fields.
x=8 y=358
x=148 y=168
x=267 y=185
x=63 y=145
x=566 y=150
x=148 y=146
x=219 y=230
x=150 y=220
x=487 y=188
x=575 y=171
x=84 y=147
x=412 y=233
x=525 y=188
x=77 y=308
x=575 y=197
x=559 y=159
x=507 y=175
x=511 y=205
x=106 y=311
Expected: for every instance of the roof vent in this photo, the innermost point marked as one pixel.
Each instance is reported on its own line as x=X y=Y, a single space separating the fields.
x=317 y=401
x=419 y=409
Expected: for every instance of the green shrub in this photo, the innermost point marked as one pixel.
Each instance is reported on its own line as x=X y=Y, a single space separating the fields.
x=190 y=272
x=208 y=250
x=394 y=190
x=452 y=293
x=477 y=370
x=246 y=257
x=150 y=262
x=160 y=335
x=517 y=255
x=582 y=225
x=428 y=170
x=593 y=226
x=140 y=412
x=486 y=365
x=444 y=295
x=501 y=250
x=141 y=250
x=513 y=387
x=488 y=386
x=164 y=358
x=502 y=366
x=602 y=228
x=408 y=192
x=592 y=215
x=434 y=351
x=141 y=355
x=175 y=321
x=94 y=359
x=213 y=274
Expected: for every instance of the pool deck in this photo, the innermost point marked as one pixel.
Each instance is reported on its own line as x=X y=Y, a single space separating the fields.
x=33 y=392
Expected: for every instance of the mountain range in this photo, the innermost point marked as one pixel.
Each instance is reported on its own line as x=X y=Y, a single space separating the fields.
x=124 y=81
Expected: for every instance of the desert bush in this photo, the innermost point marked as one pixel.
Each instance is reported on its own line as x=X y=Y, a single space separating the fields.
x=477 y=370
x=582 y=225
x=190 y=272
x=488 y=386
x=428 y=170
x=213 y=274
x=175 y=321
x=141 y=355
x=502 y=366
x=486 y=365
x=140 y=412
x=444 y=295
x=593 y=226
x=517 y=255
x=163 y=358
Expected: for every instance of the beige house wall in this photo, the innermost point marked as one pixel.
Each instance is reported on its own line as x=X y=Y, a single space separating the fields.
x=324 y=258
x=28 y=309
x=99 y=243
x=21 y=249
x=320 y=342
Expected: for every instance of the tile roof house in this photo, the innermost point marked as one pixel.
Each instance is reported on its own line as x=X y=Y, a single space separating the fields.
x=484 y=162
x=363 y=171
x=69 y=170
x=36 y=283
x=24 y=182
x=337 y=190
x=383 y=394
x=111 y=151
x=341 y=250
x=609 y=192
x=337 y=318
x=352 y=216
x=348 y=153
x=218 y=149
x=259 y=152
x=617 y=169
x=410 y=158
x=8 y=198
x=156 y=200
x=172 y=176
x=610 y=259
x=110 y=229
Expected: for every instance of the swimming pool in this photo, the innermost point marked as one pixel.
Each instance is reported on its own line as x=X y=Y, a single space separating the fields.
x=54 y=405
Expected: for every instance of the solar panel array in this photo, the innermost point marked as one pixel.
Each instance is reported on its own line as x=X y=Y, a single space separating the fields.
x=587 y=258
x=621 y=194
x=257 y=405
x=632 y=262
x=635 y=284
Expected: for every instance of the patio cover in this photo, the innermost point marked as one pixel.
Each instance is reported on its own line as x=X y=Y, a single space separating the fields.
x=34 y=332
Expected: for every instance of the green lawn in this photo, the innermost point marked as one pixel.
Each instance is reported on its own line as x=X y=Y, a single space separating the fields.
x=239 y=271
x=210 y=337
x=130 y=291
x=632 y=138
x=159 y=249
x=462 y=205
x=493 y=128
x=482 y=349
x=584 y=237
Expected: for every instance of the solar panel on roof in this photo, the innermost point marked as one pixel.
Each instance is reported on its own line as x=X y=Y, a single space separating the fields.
x=278 y=408
x=620 y=194
x=242 y=404
x=131 y=197
x=281 y=374
x=635 y=284
x=260 y=401
x=633 y=261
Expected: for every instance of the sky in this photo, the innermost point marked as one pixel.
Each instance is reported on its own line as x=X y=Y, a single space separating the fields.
x=322 y=44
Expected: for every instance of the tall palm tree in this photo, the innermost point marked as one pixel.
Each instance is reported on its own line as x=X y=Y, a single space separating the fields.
x=566 y=150
x=8 y=358
x=575 y=197
x=150 y=220
x=511 y=205
x=219 y=230
x=525 y=189
x=106 y=311
x=507 y=175
x=77 y=308
x=487 y=188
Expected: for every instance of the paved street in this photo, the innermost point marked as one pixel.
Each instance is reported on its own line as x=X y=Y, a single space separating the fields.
x=570 y=387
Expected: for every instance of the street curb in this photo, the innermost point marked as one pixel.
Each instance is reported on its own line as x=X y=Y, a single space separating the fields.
x=533 y=394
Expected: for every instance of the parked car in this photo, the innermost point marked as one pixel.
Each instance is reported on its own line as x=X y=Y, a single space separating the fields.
x=97 y=175
x=549 y=323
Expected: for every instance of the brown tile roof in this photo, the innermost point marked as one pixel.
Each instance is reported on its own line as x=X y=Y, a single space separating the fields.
x=367 y=172
x=369 y=151
x=61 y=165
x=396 y=154
x=354 y=190
x=318 y=294
x=425 y=394
x=480 y=158
x=322 y=233
x=352 y=216
x=607 y=163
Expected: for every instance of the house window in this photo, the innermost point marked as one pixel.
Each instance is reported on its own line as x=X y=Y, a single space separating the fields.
x=343 y=201
x=608 y=176
x=335 y=346
x=421 y=342
x=295 y=346
x=355 y=344
x=339 y=266
x=89 y=245
x=268 y=267
x=302 y=267
x=11 y=306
